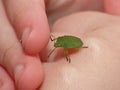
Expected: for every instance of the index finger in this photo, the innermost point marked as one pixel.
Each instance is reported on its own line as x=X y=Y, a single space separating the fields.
x=30 y=22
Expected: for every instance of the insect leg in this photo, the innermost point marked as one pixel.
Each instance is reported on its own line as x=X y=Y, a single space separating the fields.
x=67 y=55
x=85 y=47
x=51 y=52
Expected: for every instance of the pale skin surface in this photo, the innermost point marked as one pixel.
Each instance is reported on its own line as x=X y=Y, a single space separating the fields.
x=28 y=71
x=94 y=68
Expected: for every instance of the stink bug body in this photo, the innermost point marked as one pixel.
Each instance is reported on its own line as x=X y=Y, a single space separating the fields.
x=67 y=42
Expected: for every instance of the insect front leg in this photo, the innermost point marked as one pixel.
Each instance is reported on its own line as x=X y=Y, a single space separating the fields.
x=67 y=55
x=51 y=52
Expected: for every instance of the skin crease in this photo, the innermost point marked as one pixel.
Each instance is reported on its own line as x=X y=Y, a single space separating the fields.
x=86 y=69
x=6 y=82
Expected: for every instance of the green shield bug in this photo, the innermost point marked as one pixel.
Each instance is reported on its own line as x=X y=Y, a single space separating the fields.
x=67 y=42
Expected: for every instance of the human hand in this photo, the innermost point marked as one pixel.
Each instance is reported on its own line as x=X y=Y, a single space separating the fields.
x=20 y=16
x=6 y=82
x=22 y=70
x=23 y=16
x=92 y=68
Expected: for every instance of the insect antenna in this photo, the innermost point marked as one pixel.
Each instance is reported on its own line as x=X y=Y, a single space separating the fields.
x=51 y=52
x=52 y=38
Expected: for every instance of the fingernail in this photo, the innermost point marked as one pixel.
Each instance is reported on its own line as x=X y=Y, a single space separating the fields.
x=18 y=72
x=25 y=35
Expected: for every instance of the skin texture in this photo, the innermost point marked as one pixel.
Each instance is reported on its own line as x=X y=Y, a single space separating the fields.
x=91 y=68
x=18 y=66
x=6 y=82
x=26 y=20
x=112 y=6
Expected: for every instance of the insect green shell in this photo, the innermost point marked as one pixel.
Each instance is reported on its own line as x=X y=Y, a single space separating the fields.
x=68 y=42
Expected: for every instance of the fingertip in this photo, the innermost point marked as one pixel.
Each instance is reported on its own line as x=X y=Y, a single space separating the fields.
x=112 y=6
x=30 y=77
x=30 y=22
x=36 y=36
x=36 y=41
